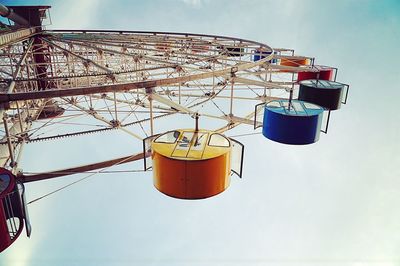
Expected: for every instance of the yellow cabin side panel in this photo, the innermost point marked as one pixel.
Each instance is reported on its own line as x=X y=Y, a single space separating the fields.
x=206 y=178
x=191 y=179
x=169 y=175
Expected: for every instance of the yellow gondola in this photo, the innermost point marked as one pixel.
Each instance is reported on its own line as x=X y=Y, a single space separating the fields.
x=190 y=164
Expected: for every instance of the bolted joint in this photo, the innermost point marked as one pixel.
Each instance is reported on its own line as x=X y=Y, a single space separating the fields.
x=233 y=71
x=178 y=68
x=195 y=115
x=23 y=137
x=111 y=77
x=13 y=164
x=86 y=63
x=91 y=111
x=115 y=123
x=149 y=90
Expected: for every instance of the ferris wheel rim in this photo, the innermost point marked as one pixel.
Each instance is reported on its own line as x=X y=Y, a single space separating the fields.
x=186 y=34
x=76 y=91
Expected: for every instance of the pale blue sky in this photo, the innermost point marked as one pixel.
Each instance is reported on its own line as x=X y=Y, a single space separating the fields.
x=331 y=203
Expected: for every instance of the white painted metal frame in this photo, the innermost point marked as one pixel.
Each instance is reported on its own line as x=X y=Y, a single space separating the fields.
x=115 y=80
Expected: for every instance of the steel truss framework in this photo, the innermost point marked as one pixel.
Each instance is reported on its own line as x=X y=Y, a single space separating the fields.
x=127 y=81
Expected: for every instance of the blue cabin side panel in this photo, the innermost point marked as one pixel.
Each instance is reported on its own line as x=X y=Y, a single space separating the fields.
x=290 y=129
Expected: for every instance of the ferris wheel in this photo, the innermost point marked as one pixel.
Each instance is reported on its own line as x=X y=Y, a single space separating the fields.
x=175 y=94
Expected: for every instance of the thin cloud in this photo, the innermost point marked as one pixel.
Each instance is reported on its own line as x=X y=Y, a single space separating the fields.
x=85 y=13
x=193 y=3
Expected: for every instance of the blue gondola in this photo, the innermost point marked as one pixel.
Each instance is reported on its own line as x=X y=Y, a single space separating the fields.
x=261 y=54
x=292 y=122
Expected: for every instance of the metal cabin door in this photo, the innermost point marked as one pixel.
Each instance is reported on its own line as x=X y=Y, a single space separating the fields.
x=147 y=161
x=237 y=156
